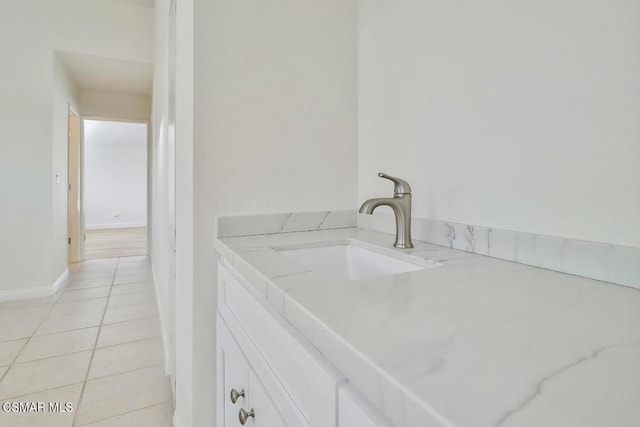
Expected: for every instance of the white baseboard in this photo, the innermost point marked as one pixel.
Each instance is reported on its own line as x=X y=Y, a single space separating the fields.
x=115 y=225
x=60 y=281
x=37 y=292
x=163 y=330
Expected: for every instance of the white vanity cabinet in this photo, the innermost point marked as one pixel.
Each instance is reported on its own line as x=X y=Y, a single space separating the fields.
x=242 y=391
x=355 y=410
x=261 y=403
x=279 y=377
x=233 y=374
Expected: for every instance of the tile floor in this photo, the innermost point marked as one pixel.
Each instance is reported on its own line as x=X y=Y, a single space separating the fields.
x=95 y=344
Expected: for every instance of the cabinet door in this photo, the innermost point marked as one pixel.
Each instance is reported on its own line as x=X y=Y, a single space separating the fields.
x=299 y=379
x=265 y=412
x=234 y=375
x=355 y=410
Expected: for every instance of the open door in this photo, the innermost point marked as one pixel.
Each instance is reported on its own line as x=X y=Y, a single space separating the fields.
x=74 y=214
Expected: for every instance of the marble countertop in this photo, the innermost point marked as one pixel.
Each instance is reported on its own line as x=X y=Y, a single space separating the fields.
x=476 y=342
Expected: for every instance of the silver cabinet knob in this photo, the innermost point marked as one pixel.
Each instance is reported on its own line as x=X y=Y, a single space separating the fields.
x=243 y=415
x=235 y=394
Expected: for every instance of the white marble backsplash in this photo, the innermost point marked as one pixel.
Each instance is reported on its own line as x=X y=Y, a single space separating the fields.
x=600 y=261
x=248 y=225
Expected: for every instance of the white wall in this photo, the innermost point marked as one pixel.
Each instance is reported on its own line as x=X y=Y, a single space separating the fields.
x=275 y=130
x=115 y=174
x=33 y=226
x=521 y=116
x=185 y=230
x=64 y=96
x=163 y=253
x=110 y=105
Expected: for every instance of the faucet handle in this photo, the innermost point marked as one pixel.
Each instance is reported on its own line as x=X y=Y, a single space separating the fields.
x=401 y=186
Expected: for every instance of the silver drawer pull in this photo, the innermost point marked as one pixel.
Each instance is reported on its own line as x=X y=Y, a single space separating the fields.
x=244 y=415
x=235 y=394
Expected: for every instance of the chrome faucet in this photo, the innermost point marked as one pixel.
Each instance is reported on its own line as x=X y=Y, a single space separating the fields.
x=401 y=205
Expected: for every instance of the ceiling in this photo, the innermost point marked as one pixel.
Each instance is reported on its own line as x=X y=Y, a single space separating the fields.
x=107 y=74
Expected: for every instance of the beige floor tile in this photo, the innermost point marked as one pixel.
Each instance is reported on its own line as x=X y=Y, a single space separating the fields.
x=122 y=279
x=9 y=350
x=110 y=265
x=49 y=418
x=68 y=322
x=119 y=333
x=23 y=314
x=71 y=307
x=132 y=299
x=111 y=396
x=101 y=262
x=133 y=268
x=89 y=283
x=58 y=344
x=136 y=271
x=153 y=416
x=131 y=288
x=127 y=378
x=131 y=312
x=87 y=268
x=29 y=302
x=94 y=274
x=16 y=330
x=132 y=264
x=126 y=357
x=81 y=294
x=129 y=269
x=134 y=259
x=40 y=375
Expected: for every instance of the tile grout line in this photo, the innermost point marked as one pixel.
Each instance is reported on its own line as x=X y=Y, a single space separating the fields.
x=89 y=327
x=82 y=288
x=128 y=412
x=93 y=351
x=139 y=368
x=13 y=362
x=42 y=391
x=79 y=351
x=58 y=300
x=51 y=357
x=83 y=299
x=98 y=287
x=85 y=327
x=81 y=382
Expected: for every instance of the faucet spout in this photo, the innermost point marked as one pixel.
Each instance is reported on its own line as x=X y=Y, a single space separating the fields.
x=370 y=205
x=400 y=203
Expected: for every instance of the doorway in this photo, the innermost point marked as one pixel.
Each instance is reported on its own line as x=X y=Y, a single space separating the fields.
x=112 y=189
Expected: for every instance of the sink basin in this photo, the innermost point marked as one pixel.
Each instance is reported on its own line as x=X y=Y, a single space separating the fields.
x=346 y=261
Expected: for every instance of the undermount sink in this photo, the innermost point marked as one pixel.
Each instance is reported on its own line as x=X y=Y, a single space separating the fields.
x=347 y=261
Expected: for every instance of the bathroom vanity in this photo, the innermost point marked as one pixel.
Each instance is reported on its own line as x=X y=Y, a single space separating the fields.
x=270 y=375
x=338 y=328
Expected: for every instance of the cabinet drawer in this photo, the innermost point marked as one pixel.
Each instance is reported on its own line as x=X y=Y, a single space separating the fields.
x=309 y=380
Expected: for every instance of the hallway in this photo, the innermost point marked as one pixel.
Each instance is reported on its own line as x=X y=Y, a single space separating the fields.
x=95 y=344
x=115 y=243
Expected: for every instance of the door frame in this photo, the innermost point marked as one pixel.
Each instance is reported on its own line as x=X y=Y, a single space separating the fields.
x=148 y=166
x=75 y=220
